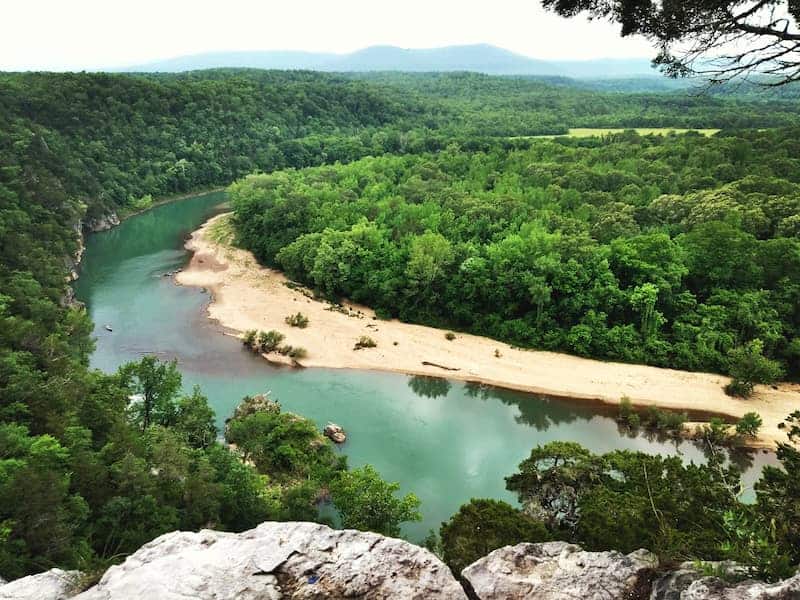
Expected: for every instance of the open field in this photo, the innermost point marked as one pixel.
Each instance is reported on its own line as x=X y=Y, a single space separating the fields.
x=581 y=132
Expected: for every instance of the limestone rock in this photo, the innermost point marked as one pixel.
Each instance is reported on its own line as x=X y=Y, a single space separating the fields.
x=335 y=433
x=103 y=222
x=712 y=588
x=54 y=584
x=672 y=584
x=557 y=571
x=274 y=561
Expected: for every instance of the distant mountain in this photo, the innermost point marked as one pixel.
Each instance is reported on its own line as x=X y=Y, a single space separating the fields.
x=278 y=59
x=481 y=58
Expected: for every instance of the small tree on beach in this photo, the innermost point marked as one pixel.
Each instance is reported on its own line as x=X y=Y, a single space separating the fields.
x=749 y=424
x=749 y=366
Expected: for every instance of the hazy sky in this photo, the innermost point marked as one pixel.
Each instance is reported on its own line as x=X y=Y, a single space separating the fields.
x=86 y=34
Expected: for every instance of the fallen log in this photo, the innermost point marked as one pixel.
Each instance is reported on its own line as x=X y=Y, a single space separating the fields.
x=432 y=364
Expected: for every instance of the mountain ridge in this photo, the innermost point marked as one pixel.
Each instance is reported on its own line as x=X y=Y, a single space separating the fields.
x=480 y=58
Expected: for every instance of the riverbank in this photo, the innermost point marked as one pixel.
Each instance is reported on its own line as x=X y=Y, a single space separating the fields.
x=248 y=296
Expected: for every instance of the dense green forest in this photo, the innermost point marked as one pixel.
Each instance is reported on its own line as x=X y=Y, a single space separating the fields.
x=675 y=251
x=86 y=474
x=611 y=250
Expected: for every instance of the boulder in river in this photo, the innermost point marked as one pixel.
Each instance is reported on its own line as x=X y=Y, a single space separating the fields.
x=335 y=433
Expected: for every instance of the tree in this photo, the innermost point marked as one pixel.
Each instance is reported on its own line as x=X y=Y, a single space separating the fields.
x=284 y=446
x=749 y=424
x=156 y=383
x=778 y=492
x=194 y=420
x=483 y=525
x=627 y=500
x=718 y=39
x=643 y=301
x=367 y=502
x=551 y=480
x=40 y=518
x=429 y=256
x=749 y=366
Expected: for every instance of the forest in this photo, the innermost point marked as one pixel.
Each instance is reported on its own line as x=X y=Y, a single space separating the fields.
x=675 y=250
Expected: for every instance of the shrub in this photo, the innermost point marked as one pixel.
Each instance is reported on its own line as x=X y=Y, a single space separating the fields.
x=297 y=320
x=450 y=336
x=298 y=353
x=365 y=342
x=671 y=421
x=625 y=408
x=743 y=389
x=652 y=418
x=715 y=432
x=249 y=338
x=269 y=341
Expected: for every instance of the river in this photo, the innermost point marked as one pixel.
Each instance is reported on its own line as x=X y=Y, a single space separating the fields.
x=445 y=441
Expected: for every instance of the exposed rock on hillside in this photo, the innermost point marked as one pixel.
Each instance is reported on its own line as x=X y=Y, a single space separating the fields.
x=278 y=560
x=102 y=223
x=54 y=584
x=558 y=570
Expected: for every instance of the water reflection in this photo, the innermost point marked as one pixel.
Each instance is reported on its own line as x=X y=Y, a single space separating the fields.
x=538 y=412
x=429 y=387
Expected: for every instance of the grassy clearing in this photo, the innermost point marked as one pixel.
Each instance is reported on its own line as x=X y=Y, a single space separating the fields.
x=221 y=231
x=582 y=132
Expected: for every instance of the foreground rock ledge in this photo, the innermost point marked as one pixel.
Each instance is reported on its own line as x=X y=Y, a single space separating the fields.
x=556 y=570
x=277 y=560
x=307 y=560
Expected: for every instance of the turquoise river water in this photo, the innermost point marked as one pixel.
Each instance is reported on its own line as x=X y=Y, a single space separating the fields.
x=445 y=441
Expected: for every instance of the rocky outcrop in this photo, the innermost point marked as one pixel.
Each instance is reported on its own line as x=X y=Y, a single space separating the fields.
x=305 y=560
x=712 y=588
x=102 y=223
x=54 y=584
x=277 y=560
x=558 y=570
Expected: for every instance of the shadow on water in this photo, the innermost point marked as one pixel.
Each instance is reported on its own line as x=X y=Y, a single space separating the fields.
x=447 y=441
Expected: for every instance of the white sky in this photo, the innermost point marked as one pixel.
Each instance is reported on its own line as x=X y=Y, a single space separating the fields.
x=86 y=34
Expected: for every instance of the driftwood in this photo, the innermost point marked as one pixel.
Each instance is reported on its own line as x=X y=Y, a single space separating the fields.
x=431 y=364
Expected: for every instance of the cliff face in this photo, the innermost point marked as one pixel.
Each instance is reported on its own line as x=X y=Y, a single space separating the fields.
x=305 y=560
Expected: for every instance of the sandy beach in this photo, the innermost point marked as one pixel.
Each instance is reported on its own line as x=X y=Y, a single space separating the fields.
x=248 y=296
